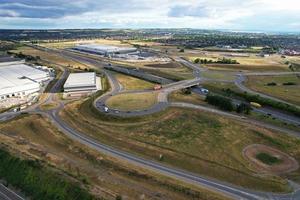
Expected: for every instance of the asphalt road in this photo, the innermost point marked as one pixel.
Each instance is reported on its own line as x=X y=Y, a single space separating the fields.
x=225 y=188
x=8 y=194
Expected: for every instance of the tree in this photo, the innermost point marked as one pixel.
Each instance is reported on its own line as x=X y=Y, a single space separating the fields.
x=197 y=60
x=243 y=108
x=220 y=101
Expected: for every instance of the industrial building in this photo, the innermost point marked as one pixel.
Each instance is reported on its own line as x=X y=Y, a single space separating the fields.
x=104 y=49
x=81 y=84
x=18 y=79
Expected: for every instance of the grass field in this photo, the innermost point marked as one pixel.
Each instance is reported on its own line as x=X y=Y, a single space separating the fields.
x=34 y=137
x=288 y=93
x=250 y=63
x=134 y=101
x=206 y=143
x=52 y=58
x=218 y=75
x=49 y=106
x=131 y=83
x=178 y=96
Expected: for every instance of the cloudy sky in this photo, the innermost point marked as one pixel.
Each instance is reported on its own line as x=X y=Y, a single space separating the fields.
x=269 y=15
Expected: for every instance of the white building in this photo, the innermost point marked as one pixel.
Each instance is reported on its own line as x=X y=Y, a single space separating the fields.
x=18 y=79
x=104 y=49
x=80 y=84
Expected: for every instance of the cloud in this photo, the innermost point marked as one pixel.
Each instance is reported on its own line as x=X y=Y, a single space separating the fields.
x=217 y=14
x=185 y=10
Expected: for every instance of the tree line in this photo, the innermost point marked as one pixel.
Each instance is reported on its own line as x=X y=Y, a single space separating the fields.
x=219 y=61
x=38 y=181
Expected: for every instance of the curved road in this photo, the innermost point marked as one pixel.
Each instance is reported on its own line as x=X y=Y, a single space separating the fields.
x=224 y=188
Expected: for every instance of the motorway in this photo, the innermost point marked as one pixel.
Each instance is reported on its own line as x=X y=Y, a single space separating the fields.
x=224 y=188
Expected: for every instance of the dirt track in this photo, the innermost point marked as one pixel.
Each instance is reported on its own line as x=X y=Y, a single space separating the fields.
x=288 y=163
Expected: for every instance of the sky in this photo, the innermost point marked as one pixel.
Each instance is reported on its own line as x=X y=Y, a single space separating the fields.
x=260 y=15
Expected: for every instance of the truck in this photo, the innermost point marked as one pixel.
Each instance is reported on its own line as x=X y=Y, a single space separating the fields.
x=157 y=87
x=256 y=105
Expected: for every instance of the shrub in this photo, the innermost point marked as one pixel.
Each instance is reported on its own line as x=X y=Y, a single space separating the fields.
x=38 y=181
x=271 y=84
x=221 y=102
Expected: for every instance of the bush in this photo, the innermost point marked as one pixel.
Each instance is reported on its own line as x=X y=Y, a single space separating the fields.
x=267 y=159
x=265 y=101
x=221 y=102
x=243 y=108
x=197 y=60
x=289 y=83
x=271 y=84
x=37 y=181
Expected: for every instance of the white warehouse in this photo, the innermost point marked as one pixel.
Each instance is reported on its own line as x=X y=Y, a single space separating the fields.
x=104 y=49
x=81 y=84
x=18 y=79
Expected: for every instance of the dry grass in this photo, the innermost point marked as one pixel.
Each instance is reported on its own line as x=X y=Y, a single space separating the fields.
x=194 y=140
x=52 y=58
x=49 y=106
x=250 y=63
x=219 y=75
x=178 y=96
x=35 y=137
x=130 y=102
x=289 y=93
x=131 y=83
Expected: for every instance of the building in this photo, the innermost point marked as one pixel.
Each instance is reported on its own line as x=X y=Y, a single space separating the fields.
x=104 y=49
x=18 y=79
x=81 y=84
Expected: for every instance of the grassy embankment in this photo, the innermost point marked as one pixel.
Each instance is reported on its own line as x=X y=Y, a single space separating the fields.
x=38 y=181
x=34 y=137
x=131 y=83
x=206 y=144
x=50 y=57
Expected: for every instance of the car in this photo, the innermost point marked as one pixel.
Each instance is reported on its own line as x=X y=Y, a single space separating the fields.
x=106 y=109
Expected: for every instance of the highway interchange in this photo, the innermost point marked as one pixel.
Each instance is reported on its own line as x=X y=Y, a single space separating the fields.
x=224 y=188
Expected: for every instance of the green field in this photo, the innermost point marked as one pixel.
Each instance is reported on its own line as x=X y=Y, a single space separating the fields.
x=288 y=93
x=206 y=143
x=134 y=101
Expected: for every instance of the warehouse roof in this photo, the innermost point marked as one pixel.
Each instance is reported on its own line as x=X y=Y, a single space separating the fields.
x=16 y=77
x=105 y=48
x=81 y=80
